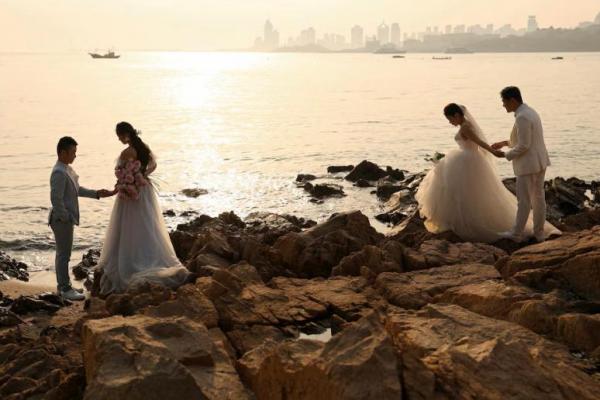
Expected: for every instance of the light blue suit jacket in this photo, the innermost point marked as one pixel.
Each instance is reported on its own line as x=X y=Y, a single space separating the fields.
x=64 y=193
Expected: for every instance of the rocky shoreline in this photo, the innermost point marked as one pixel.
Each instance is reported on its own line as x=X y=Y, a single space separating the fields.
x=406 y=315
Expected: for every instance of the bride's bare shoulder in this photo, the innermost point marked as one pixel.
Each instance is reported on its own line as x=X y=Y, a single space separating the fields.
x=128 y=154
x=466 y=127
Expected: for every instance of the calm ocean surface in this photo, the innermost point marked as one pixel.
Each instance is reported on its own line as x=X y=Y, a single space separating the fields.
x=242 y=125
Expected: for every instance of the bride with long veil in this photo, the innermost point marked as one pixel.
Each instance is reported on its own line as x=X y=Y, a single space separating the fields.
x=463 y=193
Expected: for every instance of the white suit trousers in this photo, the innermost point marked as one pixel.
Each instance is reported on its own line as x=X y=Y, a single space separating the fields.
x=530 y=194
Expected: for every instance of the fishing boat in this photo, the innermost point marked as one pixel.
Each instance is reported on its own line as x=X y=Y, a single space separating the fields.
x=108 y=54
x=441 y=58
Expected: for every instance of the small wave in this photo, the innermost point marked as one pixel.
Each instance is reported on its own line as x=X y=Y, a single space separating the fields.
x=365 y=122
x=34 y=244
x=24 y=208
x=26 y=244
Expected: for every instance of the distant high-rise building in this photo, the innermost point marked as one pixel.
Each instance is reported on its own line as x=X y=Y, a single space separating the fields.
x=396 y=34
x=448 y=29
x=436 y=30
x=489 y=29
x=506 y=30
x=428 y=30
x=307 y=37
x=383 y=34
x=532 y=24
x=372 y=43
x=268 y=29
x=357 y=37
x=597 y=20
x=459 y=29
x=340 y=42
x=476 y=29
x=271 y=37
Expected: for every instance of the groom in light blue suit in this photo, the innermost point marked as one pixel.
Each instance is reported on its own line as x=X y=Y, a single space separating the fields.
x=64 y=213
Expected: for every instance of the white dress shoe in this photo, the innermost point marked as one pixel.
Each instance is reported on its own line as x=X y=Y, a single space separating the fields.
x=72 y=295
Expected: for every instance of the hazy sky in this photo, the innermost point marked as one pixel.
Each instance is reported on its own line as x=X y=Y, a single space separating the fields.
x=51 y=25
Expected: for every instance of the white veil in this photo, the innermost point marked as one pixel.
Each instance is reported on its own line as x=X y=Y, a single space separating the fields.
x=477 y=130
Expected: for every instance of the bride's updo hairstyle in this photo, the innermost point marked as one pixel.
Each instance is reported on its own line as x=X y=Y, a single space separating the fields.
x=452 y=109
x=141 y=148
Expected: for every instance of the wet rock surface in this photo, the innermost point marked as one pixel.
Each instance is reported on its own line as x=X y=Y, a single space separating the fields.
x=48 y=303
x=12 y=269
x=366 y=170
x=323 y=190
x=85 y=269
x=194 y=192
x=333 y=169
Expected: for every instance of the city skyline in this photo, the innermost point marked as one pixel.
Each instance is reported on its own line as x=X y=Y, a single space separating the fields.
x=200 y=25
x=392 y=37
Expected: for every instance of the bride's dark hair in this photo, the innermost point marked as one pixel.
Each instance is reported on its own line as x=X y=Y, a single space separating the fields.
x=452 y=109
x=141 y=148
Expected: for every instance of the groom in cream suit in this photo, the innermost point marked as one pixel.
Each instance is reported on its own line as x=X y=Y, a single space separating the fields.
x=64 y=214
x=529 y=158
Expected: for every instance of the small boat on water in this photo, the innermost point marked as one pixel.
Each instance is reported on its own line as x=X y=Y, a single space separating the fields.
x=441 y=58
x=109 y=54
x=558 y=58
x=397 y=56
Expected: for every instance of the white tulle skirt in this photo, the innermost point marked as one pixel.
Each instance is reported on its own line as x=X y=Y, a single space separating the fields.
x=464 y=194
x=137 y=247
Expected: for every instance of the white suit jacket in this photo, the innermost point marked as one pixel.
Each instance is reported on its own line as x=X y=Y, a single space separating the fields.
x=528 y=151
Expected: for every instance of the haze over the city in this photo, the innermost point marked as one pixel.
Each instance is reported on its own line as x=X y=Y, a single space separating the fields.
x=62 y=25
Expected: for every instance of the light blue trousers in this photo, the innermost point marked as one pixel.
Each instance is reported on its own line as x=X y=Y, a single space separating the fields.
x=63 y=236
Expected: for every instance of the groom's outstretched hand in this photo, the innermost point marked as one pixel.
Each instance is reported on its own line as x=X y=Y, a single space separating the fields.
x=105 y=193
x=499 y=153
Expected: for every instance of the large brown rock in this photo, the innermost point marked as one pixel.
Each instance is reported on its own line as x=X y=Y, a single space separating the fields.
x=359 y=363
x=317 y=250
x=349 y=298
x=450 y=353
x=571 y=262
x=242 y=303
x=436 y=253
x=366 y=170
x=411 y=231
x=416 y=289
x=376 y=259
x=583 y=246
x=190 y=302
x=584 y=220
x=492 y=298
x=246 y=338
x=555 y=314
x=141 y=357
x=580 y=331
x=36 y=365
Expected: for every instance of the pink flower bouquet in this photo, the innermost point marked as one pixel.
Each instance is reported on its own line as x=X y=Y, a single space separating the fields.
x=130 y=180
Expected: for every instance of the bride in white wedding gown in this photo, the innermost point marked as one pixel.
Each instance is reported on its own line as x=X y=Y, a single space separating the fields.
x=463 y=193
x=137 y=247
